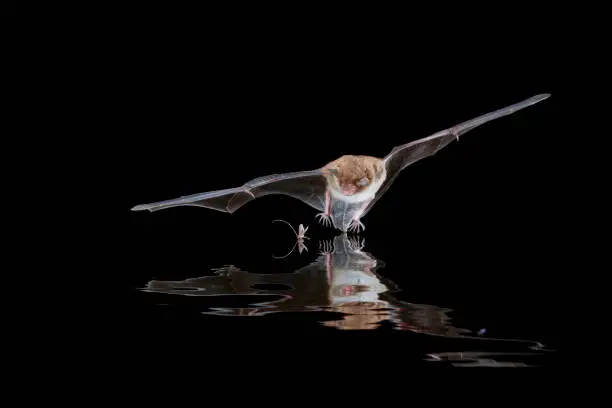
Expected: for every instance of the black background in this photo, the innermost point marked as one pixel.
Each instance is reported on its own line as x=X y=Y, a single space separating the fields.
x=199 y=107
x=8 y=8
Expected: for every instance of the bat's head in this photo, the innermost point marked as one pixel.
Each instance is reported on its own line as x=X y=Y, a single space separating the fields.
x=350 y=186
x=353 y=174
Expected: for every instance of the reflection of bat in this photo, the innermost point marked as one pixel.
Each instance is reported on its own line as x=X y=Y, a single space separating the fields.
x=343 y=279
x=345 y=189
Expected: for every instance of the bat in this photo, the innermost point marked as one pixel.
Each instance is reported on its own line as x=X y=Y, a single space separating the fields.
x=343 y=190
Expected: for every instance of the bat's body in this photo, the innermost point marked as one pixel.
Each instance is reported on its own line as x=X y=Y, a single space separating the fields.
x=352 y=184
x=345 y=189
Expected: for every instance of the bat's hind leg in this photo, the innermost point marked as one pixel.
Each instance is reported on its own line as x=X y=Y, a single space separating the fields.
x=356 y=225
x=325 y=218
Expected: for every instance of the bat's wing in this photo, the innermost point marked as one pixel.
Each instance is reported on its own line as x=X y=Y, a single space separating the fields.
x=409 y=153
x=307 y=186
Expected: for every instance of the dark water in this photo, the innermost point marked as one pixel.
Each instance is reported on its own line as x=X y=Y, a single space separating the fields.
x=335 y=293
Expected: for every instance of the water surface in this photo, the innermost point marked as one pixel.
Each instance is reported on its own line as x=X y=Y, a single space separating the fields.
x=343 y=289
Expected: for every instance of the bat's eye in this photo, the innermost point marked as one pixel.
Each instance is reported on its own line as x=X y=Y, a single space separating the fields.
x=363 y=182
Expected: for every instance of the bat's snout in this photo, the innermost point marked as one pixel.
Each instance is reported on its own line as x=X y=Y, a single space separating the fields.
x=349 y=189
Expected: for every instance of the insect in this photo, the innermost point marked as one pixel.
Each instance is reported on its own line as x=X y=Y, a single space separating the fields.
x=344 y=190
x=300 y=236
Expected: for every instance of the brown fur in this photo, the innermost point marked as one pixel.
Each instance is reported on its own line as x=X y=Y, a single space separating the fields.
x=351 y=169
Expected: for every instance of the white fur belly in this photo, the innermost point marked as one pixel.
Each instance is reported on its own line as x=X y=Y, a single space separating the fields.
x=364 y=195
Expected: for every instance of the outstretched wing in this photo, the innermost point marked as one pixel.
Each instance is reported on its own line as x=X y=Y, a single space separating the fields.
x=307 y=186
x=409 y=153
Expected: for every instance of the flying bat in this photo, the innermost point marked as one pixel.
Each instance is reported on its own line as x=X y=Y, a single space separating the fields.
x=345 y=189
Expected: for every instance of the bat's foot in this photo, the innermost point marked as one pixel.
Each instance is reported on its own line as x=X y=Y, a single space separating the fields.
x=326 y=247
x=356 y=226
x=356 y=244
x=324 y=219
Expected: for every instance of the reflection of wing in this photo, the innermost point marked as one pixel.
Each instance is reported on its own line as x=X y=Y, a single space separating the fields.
x=307 y=186
x=409 y=153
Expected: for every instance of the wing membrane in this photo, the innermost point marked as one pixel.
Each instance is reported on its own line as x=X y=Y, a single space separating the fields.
x=214 y=200
x=307 y=186
x=409 y=153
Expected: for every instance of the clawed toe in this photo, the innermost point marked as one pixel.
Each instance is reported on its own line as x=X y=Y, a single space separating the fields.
x=454 y=133
x=356 y=244
x=356 y=226
x=324 y=219
x=325 y=247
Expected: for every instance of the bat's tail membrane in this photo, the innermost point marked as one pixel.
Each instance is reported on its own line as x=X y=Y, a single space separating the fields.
x=471 y=124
